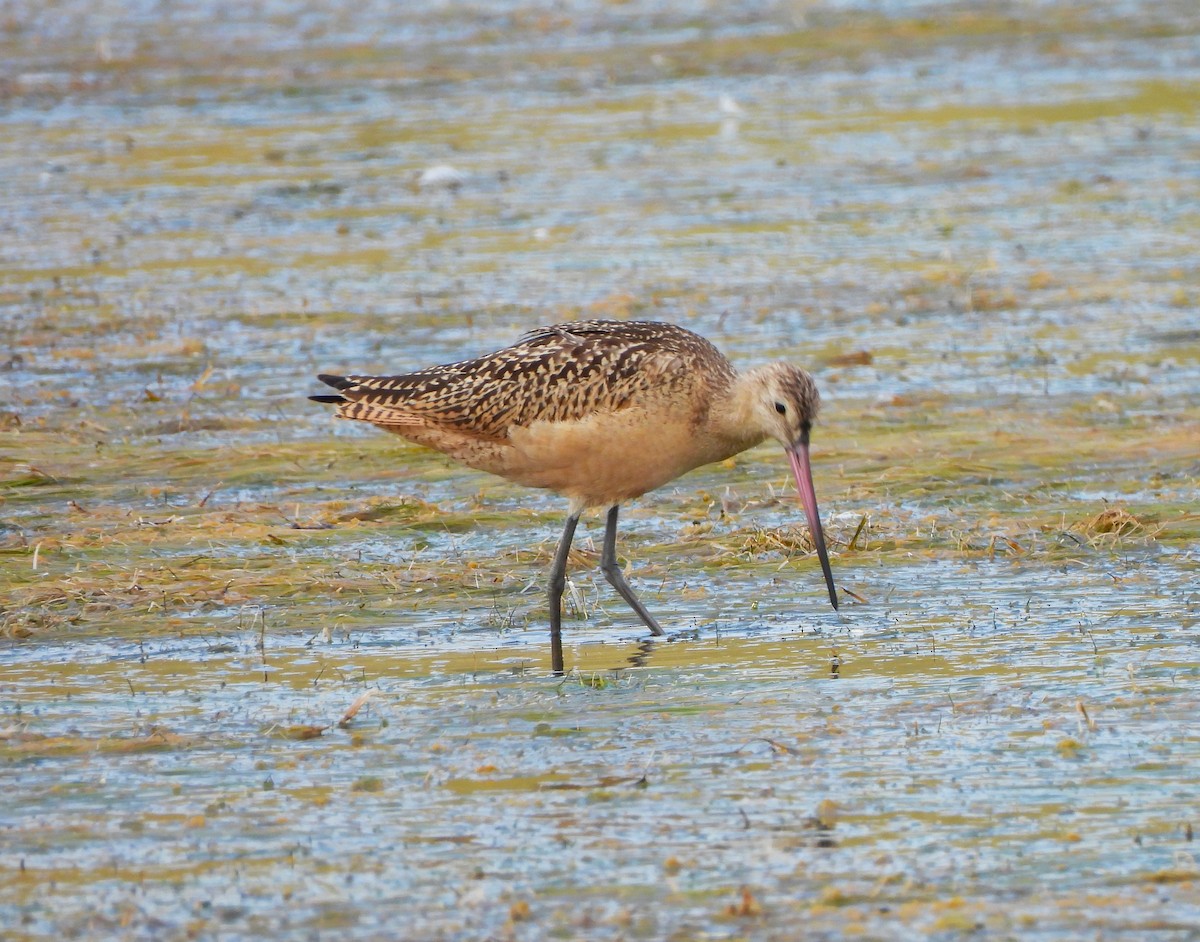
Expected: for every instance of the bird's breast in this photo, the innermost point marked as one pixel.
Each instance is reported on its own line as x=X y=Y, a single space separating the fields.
x=607 y=458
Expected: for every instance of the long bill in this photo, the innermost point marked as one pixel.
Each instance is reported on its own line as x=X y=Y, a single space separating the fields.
x=798 y=456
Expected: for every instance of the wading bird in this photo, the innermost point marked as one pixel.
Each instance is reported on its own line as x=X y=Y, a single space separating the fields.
x=600 y=412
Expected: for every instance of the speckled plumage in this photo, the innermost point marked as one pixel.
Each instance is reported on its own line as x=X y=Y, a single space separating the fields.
x=601 y=412
x=552 y=374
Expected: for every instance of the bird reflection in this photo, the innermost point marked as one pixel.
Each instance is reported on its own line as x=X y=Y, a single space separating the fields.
x=641 y=656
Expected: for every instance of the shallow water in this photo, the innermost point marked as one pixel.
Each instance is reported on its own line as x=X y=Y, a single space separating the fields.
x=988 y=753
x=974 y=222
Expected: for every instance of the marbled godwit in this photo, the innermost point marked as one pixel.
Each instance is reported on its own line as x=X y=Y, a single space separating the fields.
x=600 y=412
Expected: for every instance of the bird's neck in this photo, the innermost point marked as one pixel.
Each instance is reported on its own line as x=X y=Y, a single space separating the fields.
x=734 y=421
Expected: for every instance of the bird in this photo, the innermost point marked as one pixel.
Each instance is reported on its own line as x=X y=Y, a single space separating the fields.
x=600 y=412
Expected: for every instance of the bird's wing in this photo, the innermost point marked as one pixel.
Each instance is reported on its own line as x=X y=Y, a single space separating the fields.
x=558 y=373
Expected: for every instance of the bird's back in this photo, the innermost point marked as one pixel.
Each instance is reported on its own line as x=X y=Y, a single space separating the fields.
x=560 y=373
x=549 y=410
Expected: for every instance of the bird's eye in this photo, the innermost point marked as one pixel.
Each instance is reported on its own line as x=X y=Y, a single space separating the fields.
x=781 y=408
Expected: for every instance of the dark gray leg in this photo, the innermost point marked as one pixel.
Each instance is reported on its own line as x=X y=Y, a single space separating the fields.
x=558 y=582
x=612 y=572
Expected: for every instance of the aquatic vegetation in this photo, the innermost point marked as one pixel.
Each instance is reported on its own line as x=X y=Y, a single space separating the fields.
x=261 y=675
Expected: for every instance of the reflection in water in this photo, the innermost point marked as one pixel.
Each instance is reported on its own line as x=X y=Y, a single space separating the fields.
x=641 y=657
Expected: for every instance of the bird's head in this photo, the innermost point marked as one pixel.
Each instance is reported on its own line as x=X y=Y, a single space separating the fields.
x=783 y=404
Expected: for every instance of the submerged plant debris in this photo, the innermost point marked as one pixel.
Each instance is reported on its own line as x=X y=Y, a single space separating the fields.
x=267 y=675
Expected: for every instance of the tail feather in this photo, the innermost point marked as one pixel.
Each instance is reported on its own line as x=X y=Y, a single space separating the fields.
x=362 y=402
x=337 y=382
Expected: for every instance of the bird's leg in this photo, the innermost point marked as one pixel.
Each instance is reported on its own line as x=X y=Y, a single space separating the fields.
x=558 y=582
x=612 y=572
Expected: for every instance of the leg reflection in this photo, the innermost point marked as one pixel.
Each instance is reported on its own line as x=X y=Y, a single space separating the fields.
x=641 y=656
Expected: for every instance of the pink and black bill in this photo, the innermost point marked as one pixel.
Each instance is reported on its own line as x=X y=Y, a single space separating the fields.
x=798 y=456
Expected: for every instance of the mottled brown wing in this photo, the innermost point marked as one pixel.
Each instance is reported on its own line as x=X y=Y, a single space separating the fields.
x=557 y=373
